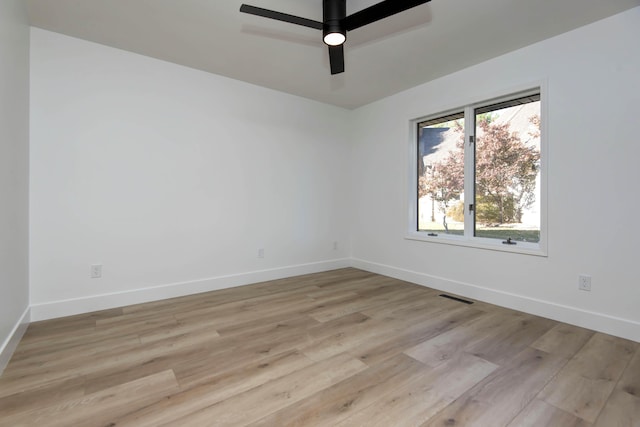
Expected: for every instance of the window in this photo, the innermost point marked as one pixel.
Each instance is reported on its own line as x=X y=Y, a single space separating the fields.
x=478 y=175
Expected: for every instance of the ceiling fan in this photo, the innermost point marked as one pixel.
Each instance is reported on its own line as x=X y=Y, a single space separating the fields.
x=335 y=22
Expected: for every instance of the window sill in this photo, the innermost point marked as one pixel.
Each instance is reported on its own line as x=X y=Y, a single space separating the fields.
x=524 y=248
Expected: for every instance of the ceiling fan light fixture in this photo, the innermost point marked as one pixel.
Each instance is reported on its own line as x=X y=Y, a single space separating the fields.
x=333 y=14
x=335 y=22
x=335 y=38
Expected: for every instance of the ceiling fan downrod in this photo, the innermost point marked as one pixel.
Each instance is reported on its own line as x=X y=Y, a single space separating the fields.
x=333 y=14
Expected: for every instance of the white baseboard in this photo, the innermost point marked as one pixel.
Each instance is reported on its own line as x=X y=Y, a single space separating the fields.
x=54 y=309
x=11 y=342
x=612 y=325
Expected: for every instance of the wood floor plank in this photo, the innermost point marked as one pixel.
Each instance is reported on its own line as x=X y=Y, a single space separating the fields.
x=343 y=347
x=80 y=348
x=427 y=393
x=369 y=300
x=331 y=340
x=281 y=321
x=177 y=329
x=47 y=328
x=59 y=369
x=539 y=413
x=340 y=326
x=197 y=301
x=223 y=317
x=274 y=395
x=351 y=283
x=217 y=388
x=225 y=313
x=82 y=411
x=623 y=406
x=201 y=368
x=497 y=399
x=50 y=394
x=333 y=404
x=193 y=363
x=407 y=329
x=630 y=381
x=563 y=339
x=621 y=410
x=407 y=306
x=585 y=383
x=390 y=344
x=447 y=345
x=516 y=335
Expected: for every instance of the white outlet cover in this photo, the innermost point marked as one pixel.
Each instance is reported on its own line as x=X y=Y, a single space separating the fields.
x=96 y=271
x=584 y=283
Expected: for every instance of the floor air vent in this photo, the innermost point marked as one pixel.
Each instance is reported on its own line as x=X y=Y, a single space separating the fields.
x=456 y=299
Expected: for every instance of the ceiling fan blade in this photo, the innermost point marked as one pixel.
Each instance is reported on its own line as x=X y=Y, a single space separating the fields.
x=336 y=59
x=379 y=11
x=272 y=14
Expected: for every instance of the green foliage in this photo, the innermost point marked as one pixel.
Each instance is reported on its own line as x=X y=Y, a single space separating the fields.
x=485 y=117
x=456 y=212
x=490 y=212
x=487 y=212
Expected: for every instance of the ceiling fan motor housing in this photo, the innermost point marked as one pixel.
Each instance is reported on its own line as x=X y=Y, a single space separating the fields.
x=334 y=12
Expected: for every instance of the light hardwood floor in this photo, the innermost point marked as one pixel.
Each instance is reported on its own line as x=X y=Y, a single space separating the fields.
x=341 y=348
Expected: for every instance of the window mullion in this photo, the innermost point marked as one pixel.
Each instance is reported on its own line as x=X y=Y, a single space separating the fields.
x=469 y=171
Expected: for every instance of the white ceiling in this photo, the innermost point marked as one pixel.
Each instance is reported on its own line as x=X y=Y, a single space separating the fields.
x=381 y=59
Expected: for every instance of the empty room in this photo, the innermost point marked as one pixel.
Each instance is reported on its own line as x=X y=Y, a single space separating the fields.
x=319 y=213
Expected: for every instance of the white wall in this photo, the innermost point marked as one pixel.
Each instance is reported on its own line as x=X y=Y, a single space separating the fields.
x=14 y=174
x=594 y=109
x=172 y=178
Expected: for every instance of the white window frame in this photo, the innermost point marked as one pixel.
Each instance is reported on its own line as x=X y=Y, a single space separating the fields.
x=468 y=239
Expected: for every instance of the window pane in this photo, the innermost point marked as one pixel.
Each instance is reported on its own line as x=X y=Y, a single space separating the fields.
x=441 y=175
x=507 y=170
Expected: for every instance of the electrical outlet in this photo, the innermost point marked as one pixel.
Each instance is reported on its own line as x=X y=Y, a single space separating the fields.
x=261 y=253
x=584 y=283
x=96 y=271
x=335 y=246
